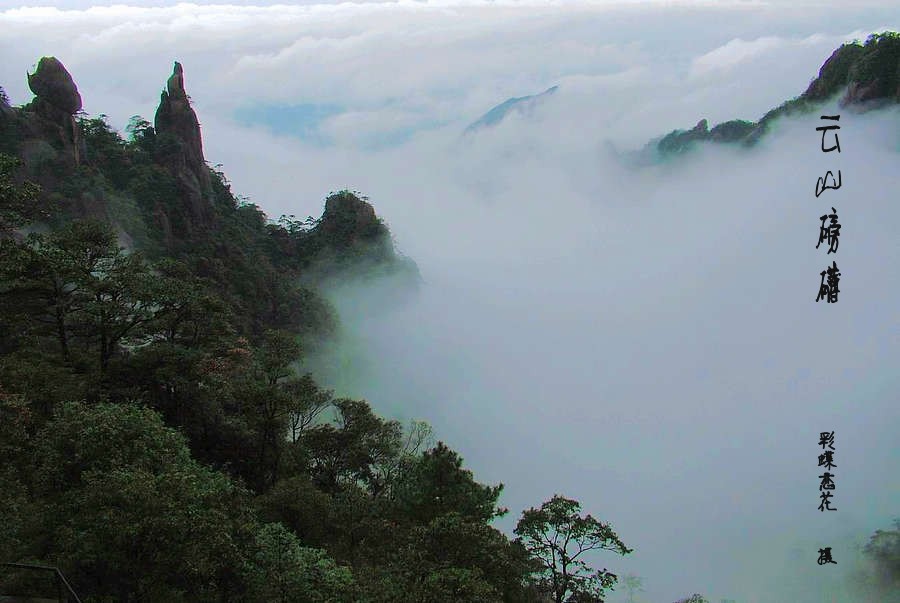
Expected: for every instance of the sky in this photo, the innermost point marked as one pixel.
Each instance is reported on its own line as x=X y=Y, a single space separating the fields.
x=644 y=340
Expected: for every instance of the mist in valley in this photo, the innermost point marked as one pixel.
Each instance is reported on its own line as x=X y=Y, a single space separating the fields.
x=643 y=339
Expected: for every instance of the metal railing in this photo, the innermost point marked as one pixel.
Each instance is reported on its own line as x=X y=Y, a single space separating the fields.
x=61 y=582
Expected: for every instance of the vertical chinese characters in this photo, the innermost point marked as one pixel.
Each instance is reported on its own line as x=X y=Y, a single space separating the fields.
x=826 y=486
x=829 y=233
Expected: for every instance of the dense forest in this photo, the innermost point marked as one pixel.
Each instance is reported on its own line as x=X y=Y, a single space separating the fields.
x=158 y=441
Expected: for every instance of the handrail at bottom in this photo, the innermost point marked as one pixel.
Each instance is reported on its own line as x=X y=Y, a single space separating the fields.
x=55 y=570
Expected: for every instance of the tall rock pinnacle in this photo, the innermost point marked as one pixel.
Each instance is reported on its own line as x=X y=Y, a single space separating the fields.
x=176 y=117
x=176 y=121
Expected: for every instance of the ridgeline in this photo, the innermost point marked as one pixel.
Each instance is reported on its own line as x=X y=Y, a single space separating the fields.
x=867 y=73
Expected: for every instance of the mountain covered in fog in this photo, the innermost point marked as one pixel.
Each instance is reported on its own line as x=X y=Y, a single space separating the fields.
x=158 y=441
x=866 y=74
x=523 y=105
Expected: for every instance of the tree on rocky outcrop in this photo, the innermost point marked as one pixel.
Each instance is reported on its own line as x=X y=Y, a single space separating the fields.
x=875 y=76
x=348 y=231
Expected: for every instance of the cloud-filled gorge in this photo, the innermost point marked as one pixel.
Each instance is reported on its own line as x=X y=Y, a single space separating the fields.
x=642 y=339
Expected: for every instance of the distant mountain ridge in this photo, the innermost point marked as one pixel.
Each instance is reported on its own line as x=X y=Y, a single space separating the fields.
x=869 y=72
x=521 y=104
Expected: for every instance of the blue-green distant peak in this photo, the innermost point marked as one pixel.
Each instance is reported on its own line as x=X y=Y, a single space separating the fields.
x=522 y=104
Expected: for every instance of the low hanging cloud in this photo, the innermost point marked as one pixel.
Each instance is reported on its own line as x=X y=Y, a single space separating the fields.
x=733 y=53
x=645 y=341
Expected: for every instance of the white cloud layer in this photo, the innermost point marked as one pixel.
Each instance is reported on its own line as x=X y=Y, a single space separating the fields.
x=644 y=341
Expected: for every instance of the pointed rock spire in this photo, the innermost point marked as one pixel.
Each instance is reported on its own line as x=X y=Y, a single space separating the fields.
x=181 y=150
x=175 y=84
x=176 y=117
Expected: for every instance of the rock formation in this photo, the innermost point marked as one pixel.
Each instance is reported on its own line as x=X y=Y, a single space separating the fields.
x=349 y=222
x=57 y=101
x=350 y=241
x=52 y=84
x=181 y=150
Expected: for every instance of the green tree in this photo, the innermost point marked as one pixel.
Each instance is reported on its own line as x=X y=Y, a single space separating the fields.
x=437 y=484
x=462 y=559
x=45 y=279
x=120 y=298
x=187 y=311
x=297 y=504
x=558 y=536
x=283 y=571
x=141 y=137
x=79 y=283
x=19 y=203
x=106 y=150
x=351 y=451
x=450 y=559
x=306 y=403
x=128 y=514
x=15 y=422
